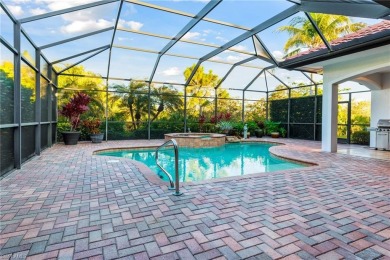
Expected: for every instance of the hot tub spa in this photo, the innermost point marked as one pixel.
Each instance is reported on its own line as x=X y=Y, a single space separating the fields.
x=197 y=139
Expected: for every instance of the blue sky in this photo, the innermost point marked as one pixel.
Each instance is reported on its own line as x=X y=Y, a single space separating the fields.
x=138 y=65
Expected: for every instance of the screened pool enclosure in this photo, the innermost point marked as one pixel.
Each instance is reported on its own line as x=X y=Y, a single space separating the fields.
x=152 y=67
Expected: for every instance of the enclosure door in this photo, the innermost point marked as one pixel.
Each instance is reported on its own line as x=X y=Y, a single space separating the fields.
x=344 y=122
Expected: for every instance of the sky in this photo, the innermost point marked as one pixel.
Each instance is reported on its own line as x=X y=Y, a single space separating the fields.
x=138 y=65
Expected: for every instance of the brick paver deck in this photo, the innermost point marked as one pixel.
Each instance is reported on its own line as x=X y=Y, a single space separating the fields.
x=68 y=203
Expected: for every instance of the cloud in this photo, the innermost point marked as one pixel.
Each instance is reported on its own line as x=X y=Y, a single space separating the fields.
x=191 y=35
x=233 y=58
x=84 y=15
x=217 y=58
x=136 y=26
x=133 y=25
x=82 y=26
x=37 y=11
x=20 y=1
x=202 y=1
x=298 y=81
x=239 y=48
x=130 y=10
x=171 y=81
x=173 y=71
x=122 y=39
x=16 y=9
x=55 y=5
x=85 y=20
x=222 y=39
x=88 y=14
x=278 y=55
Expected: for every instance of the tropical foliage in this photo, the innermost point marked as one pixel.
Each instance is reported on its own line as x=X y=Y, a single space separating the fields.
x=165 y=100
x=281 y=92
x=303 y=34
x=360 y=117
x=126 y=104
x=225 y=126
x=77 y=105
x=92 y=125
x=134 y=98
x=360 y=137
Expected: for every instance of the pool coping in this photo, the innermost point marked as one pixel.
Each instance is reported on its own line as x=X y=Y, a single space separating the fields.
x=194 y=135
x=153 y=177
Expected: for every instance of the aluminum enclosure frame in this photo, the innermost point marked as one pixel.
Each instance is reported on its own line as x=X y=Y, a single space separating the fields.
x=361 y=8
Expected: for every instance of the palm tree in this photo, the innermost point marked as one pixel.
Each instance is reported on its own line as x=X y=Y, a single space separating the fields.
x=167 y=98
x=201 y=86
x=303 y=34
x=135 y=98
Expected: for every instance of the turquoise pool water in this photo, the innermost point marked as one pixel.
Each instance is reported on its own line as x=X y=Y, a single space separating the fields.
x=196 y=164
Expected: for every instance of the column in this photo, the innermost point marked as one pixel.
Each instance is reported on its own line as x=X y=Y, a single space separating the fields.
x=17 y=98
x=329 y=117
x=38 y=106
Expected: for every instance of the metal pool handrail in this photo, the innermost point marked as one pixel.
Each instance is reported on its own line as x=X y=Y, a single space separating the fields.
x=175 y=186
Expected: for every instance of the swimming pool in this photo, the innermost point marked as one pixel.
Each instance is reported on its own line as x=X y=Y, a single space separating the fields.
x=197 y=164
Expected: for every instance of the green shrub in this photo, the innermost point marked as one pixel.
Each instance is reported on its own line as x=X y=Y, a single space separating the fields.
x=225 y=126
x=157 y=133
x=168 y=126
x=360 y=137
x=209 y=128
x=282 y=131
x=140 y=134
x=193 y=126
x=238 y=126
x=117 y=131
x=271 y=126
x=65 y=126
x=62 y=127
x=252 y=126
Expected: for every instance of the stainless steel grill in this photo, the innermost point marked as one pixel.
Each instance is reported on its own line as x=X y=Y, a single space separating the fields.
x=382 y=134
x=383 y=125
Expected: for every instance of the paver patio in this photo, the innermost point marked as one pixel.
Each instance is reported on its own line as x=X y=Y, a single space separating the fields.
x=69 y=203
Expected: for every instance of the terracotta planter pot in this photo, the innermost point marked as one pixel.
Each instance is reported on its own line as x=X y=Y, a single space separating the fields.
x=275 y=134
x=97 y=138
x=70 y=138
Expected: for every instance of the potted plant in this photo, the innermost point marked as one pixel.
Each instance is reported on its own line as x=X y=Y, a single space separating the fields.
x=272 y=128
x=252 y=128
x=92 y=125
x=225 y=126
x=72 y=111
x=239 y=128
x=259 y=133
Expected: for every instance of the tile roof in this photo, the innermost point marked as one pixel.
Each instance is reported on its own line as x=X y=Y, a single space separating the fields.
x=350 y=38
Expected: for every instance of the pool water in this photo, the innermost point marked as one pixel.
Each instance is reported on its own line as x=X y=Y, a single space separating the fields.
x=196 y=164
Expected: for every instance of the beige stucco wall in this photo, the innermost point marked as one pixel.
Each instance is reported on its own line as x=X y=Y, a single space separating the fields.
x=363 y=67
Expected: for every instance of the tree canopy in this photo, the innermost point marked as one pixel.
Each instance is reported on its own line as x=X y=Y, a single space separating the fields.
x=303 y=34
